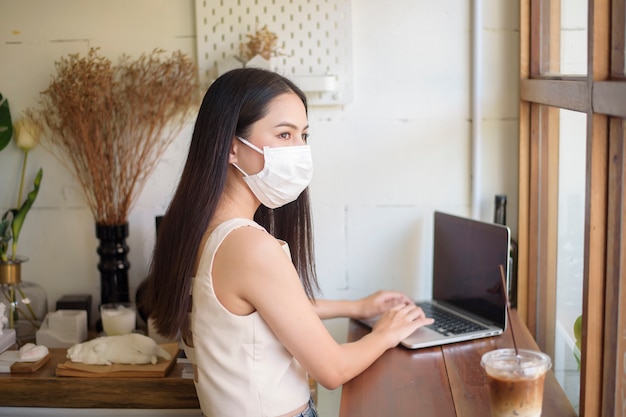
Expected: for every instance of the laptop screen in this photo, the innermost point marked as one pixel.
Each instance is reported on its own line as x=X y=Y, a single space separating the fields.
x=466 y=258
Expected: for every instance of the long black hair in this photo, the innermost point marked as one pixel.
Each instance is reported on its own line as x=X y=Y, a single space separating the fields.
x=231 y=105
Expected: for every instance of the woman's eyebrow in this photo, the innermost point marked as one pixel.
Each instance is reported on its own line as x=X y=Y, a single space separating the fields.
x=290 y=125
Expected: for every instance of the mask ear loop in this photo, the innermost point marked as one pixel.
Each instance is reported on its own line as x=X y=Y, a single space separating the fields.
x=256 y=148
x=250 y=145
x=240 y=170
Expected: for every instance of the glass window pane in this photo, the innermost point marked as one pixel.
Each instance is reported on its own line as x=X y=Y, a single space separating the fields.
x=570 y=250
x=574 y=37
x=564 y=37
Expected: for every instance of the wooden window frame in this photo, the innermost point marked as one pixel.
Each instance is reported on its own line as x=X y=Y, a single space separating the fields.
x=601 y=94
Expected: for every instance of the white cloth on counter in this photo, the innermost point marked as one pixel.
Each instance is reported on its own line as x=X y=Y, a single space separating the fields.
x=133 y=348
x=31 y=352
x=27 y=353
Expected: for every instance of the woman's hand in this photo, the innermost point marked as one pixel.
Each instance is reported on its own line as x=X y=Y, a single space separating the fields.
x=379 y=302
x=400 y=321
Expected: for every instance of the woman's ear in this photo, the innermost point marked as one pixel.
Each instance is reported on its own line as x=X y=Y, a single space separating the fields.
x=232 y=153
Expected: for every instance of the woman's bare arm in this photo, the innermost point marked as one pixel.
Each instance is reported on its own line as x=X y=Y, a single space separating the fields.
x=252 y=273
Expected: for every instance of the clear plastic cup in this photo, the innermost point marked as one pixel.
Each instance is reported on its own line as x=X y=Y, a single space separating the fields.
x=516 y=382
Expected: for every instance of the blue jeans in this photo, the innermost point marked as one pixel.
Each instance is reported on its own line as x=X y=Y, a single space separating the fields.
x=310 y=411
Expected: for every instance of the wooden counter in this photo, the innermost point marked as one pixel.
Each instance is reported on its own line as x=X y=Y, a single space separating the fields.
x=44 y=389
x=445 y=381
x=442 y=381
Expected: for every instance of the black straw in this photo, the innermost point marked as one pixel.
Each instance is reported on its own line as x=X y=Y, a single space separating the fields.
x=508 y=308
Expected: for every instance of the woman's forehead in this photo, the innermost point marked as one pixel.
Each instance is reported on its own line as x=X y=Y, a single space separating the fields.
x=286 y=110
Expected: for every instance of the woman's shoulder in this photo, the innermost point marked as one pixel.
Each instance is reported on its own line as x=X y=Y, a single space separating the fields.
x=254 y=242
x=250 y=253
x=250 y=235
x=231 y=233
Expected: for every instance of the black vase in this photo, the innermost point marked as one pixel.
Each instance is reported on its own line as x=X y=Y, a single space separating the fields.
x=113 y=265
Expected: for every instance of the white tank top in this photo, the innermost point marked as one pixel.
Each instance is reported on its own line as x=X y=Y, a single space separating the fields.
x=242 y=368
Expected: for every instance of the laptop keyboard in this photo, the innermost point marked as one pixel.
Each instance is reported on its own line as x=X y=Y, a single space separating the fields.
x=448 y=324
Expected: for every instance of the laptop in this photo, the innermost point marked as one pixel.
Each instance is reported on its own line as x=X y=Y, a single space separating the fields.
x=468 y=301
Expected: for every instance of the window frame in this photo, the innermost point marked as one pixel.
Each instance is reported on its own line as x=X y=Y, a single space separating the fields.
x=601 y=94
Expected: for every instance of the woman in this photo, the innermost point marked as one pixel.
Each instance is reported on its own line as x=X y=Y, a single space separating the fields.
x=255 y=328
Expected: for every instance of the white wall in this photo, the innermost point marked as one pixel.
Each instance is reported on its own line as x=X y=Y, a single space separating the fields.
x=384 y=162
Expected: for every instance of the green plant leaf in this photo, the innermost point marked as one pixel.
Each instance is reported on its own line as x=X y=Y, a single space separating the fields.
x=5 y=228
x=6 y=126
x=578 y=335
x=6 y=235
x=578 y=329
x=20 y=215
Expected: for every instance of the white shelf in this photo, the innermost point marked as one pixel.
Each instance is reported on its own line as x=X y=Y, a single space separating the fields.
x=314 y=42
x=315 y=83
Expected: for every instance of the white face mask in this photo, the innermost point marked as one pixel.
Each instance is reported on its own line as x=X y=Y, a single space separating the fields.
x=287 y=171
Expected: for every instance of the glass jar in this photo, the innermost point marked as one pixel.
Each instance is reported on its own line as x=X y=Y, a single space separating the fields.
x=26 y=303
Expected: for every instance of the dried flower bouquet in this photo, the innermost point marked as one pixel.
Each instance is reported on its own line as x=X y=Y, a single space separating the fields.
x=263 y=42
x=110 y=124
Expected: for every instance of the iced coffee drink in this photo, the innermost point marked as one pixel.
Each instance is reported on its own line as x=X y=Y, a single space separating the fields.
x=515 y=382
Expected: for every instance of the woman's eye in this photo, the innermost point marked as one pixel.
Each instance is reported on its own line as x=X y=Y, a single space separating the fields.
x=305 y=137
x=285 y=135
